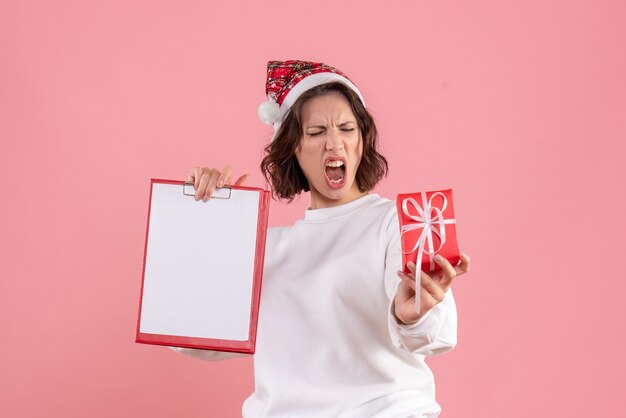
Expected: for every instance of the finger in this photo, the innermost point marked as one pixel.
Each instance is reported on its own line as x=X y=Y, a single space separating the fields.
x=203 y=182
x=431 y=287
x=449 y=273
x=193 y=177
x=225 y=176
x=241 y=179
x=210 y=188
x=407 y=279
x=464 y=264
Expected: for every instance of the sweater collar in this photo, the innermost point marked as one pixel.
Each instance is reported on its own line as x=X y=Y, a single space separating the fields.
x=335 y=211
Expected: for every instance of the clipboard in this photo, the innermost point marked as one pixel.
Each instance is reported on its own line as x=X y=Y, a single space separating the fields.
x=202 y=267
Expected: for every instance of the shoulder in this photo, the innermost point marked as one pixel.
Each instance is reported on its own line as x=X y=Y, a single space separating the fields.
x=385 y=208
x=278 y=234
x=379 y=205
x=381 y=213
x=274 y=232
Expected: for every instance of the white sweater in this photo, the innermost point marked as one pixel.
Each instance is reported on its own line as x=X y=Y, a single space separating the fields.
x=328 y=344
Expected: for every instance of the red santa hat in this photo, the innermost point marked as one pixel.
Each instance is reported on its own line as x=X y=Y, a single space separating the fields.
x=287 y=80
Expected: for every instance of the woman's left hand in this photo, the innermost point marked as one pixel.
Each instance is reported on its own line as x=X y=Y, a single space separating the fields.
x=432 y=290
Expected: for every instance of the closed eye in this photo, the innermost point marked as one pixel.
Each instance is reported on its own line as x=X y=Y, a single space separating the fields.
x=317 y=133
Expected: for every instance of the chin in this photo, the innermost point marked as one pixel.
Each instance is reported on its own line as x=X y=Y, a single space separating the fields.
x=335 y=194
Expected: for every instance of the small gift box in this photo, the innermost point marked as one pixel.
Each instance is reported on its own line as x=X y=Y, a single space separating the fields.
x=427 y=228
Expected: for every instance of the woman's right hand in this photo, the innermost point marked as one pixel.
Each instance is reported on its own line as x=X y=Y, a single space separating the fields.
x=205 y=180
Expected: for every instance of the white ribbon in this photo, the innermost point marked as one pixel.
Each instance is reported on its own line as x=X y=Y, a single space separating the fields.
x=428 y=224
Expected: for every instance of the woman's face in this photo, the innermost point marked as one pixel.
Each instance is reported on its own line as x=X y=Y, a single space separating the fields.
x=330 y=150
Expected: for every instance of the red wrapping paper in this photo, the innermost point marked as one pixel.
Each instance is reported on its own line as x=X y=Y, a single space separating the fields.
x=429 y=217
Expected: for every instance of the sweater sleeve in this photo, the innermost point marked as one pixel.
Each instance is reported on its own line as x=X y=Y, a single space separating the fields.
x=436 y=332
x=207 y=355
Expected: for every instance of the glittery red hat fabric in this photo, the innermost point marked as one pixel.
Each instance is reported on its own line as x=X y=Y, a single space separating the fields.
x=283 y=75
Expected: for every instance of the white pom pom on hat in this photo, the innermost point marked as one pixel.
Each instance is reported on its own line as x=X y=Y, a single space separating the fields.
x=287 y=80
x=269 y=112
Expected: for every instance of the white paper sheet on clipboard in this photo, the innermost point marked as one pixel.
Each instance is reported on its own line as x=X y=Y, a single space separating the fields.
x=203 y=265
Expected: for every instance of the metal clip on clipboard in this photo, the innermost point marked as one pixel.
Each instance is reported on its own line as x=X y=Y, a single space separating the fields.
x=219 y=193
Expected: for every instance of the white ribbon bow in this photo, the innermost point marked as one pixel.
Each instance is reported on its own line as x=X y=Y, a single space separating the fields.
x=428 y=224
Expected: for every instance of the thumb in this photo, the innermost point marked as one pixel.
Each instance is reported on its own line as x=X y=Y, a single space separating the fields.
x=241 y=179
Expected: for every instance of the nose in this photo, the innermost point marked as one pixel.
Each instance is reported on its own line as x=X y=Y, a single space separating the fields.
x=334 y=141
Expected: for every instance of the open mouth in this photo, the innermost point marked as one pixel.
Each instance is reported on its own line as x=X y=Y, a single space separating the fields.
x=335 y=172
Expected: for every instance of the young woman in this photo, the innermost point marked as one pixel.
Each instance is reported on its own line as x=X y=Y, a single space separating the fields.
x=338 y=335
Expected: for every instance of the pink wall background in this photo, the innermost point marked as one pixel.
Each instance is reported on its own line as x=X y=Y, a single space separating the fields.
x=519 y=106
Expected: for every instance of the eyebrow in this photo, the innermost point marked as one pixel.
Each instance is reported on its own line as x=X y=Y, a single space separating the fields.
x=323 y=127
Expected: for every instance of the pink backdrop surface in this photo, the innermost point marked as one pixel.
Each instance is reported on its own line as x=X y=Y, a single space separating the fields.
x=518 y=106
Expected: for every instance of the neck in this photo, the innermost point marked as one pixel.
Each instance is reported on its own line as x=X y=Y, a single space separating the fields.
x=319 y=201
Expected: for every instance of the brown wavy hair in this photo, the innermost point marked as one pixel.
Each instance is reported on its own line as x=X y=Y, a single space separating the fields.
x=280 y=166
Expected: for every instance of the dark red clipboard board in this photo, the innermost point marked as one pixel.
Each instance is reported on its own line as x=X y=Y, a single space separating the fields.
x=247 y=346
